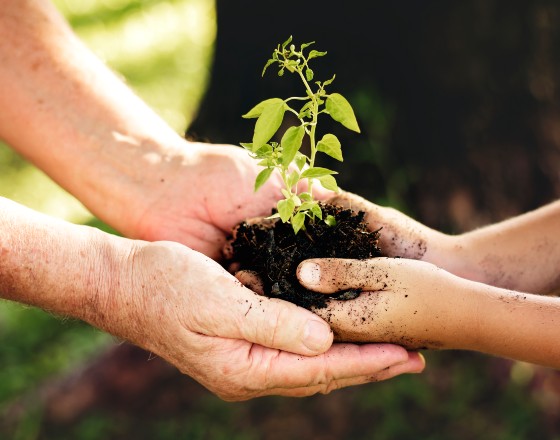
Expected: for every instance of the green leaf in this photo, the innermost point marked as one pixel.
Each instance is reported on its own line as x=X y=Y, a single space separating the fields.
x=341 y=111
x=330 y=145
x=262 y=177
x=329 y=182
x=315 y=54
x=309 y=74
x=300 y=160
x=293 y=179
x=257 y=110
x=305 y=196
x=286 y=193
x=296 y=199
x=269 y=121
x=268 y=63
x=317 y=212
x=305 y=45
x=286 y=209
x=285 y=43
x=330 y=220
x=264 y=152
x=269 y=162
x=307 y=205
x=298 y=222
x=316 y=172
x=329 y=81
x=247 y=145
x=305 y=110
x=291 y=143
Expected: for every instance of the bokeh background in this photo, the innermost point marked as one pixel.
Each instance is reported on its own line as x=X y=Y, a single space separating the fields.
x=459 y=106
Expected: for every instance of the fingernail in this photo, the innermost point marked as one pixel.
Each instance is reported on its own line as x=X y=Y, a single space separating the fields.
x=309 y=273
x=423 y=359
x=317 y=335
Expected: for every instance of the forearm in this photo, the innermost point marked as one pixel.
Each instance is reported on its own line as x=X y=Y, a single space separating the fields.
x=66 y=269
x=70 y=115
x=522 y=253
x=512 y=324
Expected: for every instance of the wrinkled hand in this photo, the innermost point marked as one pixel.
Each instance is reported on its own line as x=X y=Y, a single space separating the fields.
x=184 y=307
x=406 y=302
x=205 y=193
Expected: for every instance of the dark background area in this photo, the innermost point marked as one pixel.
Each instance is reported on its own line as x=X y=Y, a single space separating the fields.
x=458 y=101
x=458 y=105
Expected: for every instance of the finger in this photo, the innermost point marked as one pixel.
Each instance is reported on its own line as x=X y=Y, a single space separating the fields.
x=400 y=235
x=251 y=280
x=415 y=364
x=329 y=275
x=239 y=313
x=343 y=365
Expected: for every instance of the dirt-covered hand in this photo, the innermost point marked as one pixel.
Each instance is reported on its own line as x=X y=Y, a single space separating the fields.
x=400 y=235
x=406 y=302
x=187 y=309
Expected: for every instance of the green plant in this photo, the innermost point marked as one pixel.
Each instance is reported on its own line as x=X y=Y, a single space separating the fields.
x=286 y=156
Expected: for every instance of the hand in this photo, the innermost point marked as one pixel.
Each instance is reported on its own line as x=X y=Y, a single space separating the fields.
x=206 y=191
x=400 y=235
x=406 y=302
x=187 y=309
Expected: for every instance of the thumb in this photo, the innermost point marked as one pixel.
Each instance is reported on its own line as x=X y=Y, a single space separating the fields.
x=277 y=324
x=329 y=275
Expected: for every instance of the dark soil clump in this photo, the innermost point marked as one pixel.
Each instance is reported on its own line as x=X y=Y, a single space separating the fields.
x=273 y=251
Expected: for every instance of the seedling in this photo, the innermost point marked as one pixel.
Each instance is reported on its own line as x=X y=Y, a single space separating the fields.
x=286 y=157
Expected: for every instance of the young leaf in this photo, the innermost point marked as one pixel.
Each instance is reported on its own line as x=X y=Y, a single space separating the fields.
x=341 y=111
x=286 y=193
x=307 y=206
x=285 y=43
x=306 y=197
x=329 y=81
x=305 y=110
x=330 y=145
x=291 y=143
x=286 y=209
x=298 y=222
x=317 y=212
x=268 y=63
x=329 y=182
x=247 y=146
x=316 y=172
x=330 y=220
x=257 y=110
x=300 y=160
x=315 y=54
x=293 y=179
x=262 y=177
x=296 y=199
x=268 y=123
x=305 y=45
x=266 y=163
x=309 y=74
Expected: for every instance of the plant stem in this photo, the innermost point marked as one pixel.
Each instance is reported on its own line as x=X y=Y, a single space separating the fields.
x=314 y=114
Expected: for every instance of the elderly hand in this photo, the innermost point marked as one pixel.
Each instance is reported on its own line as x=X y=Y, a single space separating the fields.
x=187 y=309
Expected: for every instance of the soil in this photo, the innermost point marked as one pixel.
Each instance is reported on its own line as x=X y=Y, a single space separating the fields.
x=272 y=250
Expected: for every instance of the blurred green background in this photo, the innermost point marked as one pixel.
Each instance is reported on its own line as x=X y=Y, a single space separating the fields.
x=61 y=379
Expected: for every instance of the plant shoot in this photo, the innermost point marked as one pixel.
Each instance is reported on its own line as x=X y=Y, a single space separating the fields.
x=286 y=157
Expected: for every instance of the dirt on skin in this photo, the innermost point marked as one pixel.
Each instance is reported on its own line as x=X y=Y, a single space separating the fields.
x=273 y=252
